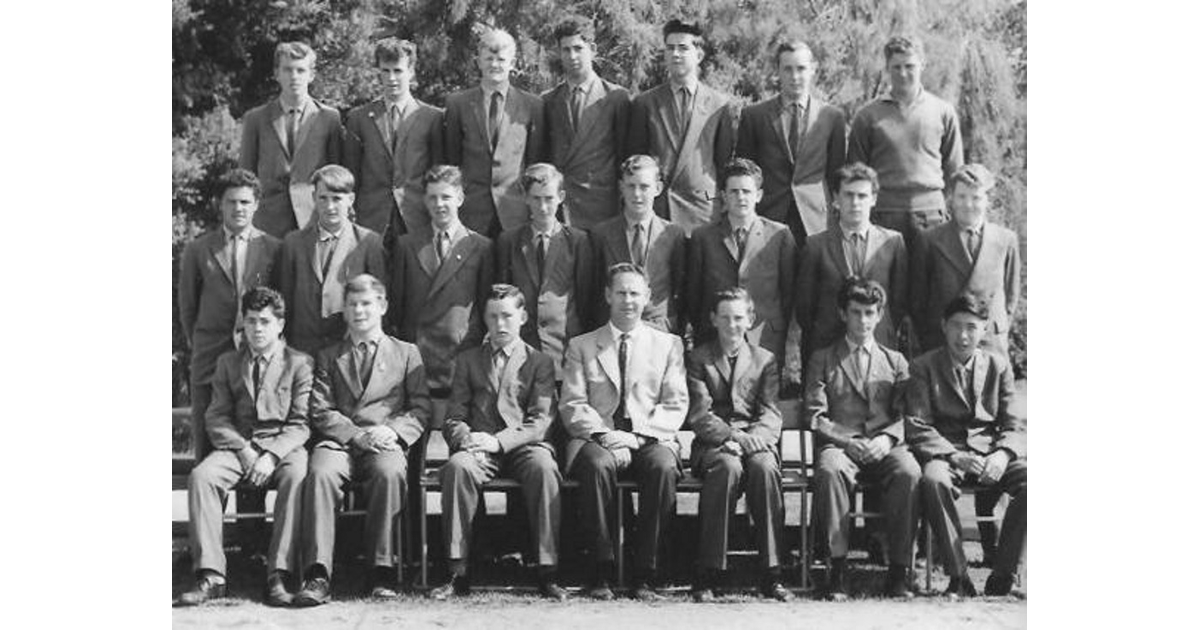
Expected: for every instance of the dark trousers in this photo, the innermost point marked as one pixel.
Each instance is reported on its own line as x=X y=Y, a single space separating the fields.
x=532 y=465
x=834 y=482
x=656 y=469
x=201 y=395
x=329 y=469
x=725 y=477
x=939 y=489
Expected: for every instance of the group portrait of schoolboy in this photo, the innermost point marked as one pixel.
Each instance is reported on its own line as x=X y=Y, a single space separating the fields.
x=561 y=283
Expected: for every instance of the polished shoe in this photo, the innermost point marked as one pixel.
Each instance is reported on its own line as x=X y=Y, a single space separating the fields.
x=277 y=594
x=599 y=591
x=998 y=584
x=314 y=592
x=703 y=595
x=644 y=593
x=960 y=587
x=456 y=585
x=897 y=583
x=208 y=587
x=835 y=589
x=383 y=591
x=776 y=591
x=551 y=590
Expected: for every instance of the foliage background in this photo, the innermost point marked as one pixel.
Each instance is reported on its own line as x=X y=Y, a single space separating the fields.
x=222 y=58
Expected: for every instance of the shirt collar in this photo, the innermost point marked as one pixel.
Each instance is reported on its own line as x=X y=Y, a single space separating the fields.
x=453 y=231
x=323 y=234
x=846 y=234
x=737 y=349
x=868 y=345
x=749 y=226
x=488 y=91
x=974 y=228
x=401 y=102
x=300 y=106
x=633 y=333
x=920 y=96
x=244 y=234
x=691 y=83
x=786 y=103
x=506 y=350
x=555 y=226
x=372 y=338
x=586 y=84
x=267 y=354
x=645 y=223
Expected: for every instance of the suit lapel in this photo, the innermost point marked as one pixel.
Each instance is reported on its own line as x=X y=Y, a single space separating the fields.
x=457 y=255
x=253 y=254
x=728 y=240
x=874 y=240
x=588 y=115
x=721 y=367
x=308 y=118
x=947 y=364
x=989 y=245
x=344 y=360
x=756 y=239
x=309 y=249
x=775 y=111
x=947 y=241
x=279 y=124
x=408 y=117
x=745 y=358
x=509 y=408
x=618 y=245
x=847 y=364
x=220 y=252
x=477 y=108
x=703 y=105
x=341 y=250
x=837 y=252
x=805 y=127
x=247 y=369
x=269 y=381
x=529 y=253
x=385 y=359
x=606 y=355
x=427 y=257
x=379 y=116
x=666 y=113
x=978 y=374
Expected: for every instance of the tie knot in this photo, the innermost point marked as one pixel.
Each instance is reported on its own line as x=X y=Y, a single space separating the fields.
x=363 y=346
x=624 y=337
x=741 y=232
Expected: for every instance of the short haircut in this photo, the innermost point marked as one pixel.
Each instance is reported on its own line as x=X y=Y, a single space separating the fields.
x=496 y=39
x=541 y=173
x=903 y=45
x=741 y=167
x=623 y=267
x=966 y=303
x=687 y=28
x=862 y=291
x=635 y=163
x=337 y=178
x=506 y=291
x=258 y=298
x=443 y=174
x=294 y=50
x=238 y=178
x=972 y=175
x=732 y=295
x=791 y=45
x=573 y=25
x=364 y=283
x=856 y=172
x=391 y=50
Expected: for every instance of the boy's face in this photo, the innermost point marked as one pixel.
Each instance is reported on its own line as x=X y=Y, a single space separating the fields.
x=732 y=320
x=638 y=191
x=238 y=206
x=627 y=298
x=504 y=320
x=495 y=64
x=576 y=56
x=969 y=204
x=741 y=196
x=861 y=320
x=542 y=201
x=332 y=207
x=443 y=200
x=682 y=55
x=363 y=311
x=963 y=333
x=855 y=200
x=395 y=77
x=294 y=75
x=261 y=328
x=796 y=69
x=904 y=71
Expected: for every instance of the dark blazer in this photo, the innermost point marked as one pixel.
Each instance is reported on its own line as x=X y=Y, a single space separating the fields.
x=942 y=271
x=563 y=303
x=440 y=308
x=208 y=307
x=590 y=156
x=823 y=269
x=492 y=177
x=275 y=418
x=518 y=413
x=314 y=302
x=840 y=407
x=719 y=402
x=394 y=396
x=767 y=271
x=940 y=418
x=802 y=183
x=388 y=178
x=264 y=138
x=691 y=159
x=666 y=263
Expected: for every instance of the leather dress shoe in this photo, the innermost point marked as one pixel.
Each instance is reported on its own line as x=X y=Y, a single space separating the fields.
x=960 y=587
x=314 y=592
x=207 y=588
x=551 y=590
x=703 y=595
x=277 y=594
x=644 y=593
x=897 y=583
x=998 y=584
x=383 y=591
x=600 y=591
x=775 y=590
x=456 y=585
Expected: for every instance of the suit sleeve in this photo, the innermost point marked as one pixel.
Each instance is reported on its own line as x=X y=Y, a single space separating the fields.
x=409 y=423
x=538 y=410
x=919 y=430
x=483 y=288
x=437 y=145
x=578 y=417
x=898 y=282
x=457 y=426
x=333 y=143
x=503 y=258
x=695 y=279
x=747 y=145
x=295 y=430
x=219 y=419
x=952 y=146
x=1012 y=278
x=671 y=409
x=858 y=147
x=190 y=285
x=816 y=403
x=621 y=120
x=708 y=426
x=585 y=282
x=895 y=428
x=287 y=284
x=787 y=274
x=637 y=138
x=375 y=259
x=679 y=273
x=535 y=140
x=352 y=154
x=767 y=422
x=396 y=289
x=835 y=152
x=807 y=284
x=725 y=140
x=327 y=420
x=248 y=158
x=452 y=135
x=1010 y=419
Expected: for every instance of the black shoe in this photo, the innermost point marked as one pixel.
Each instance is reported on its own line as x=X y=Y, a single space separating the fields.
x=314 y=592
x=456 y=585
x=775 y=590
x=897 y=583
x=643 y=592
x=551 y=590
x=960 y=587
x=703 y=595
x=383 y=583
x=208 y=587
x=998 y=584
x=835 y=590
x=599 y=591
x=277 y=594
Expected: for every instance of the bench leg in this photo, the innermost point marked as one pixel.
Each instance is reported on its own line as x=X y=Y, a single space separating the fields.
x=620 y=532
x=925 y=527
x=398 y=540
x=423 y=527
x=805 y=554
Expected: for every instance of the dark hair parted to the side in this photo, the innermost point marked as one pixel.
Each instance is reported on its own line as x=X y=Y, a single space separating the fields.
x=637 y=162
x=862 y=291
x=903 y=45
x=237 y=178
x=364 y=283
x=687 y=28
x=856 y=172
x=258 y=298
x=391 y=50
x=620 y=268
x=966 y=303
x=294 y=50
x=741 y=167
x=972 y=175
x=573 y=25
x=443 y=174
x=732 y=295
x=542 y=173
x=503 y=291
x=336 y=178
x=791 y=45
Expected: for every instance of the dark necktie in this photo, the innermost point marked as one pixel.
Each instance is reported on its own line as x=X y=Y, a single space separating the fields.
x=494 y=119
x=972 y=244
x=366 y=360
x=684 y=103
x=732 y=360
x=327 y=247
x=739 y=238
x=576 y=106
x=393 y=124
x=859 y=242
x=621 y=417
x=257 y=375
x=541 y=257
x=496 y=369
x=639 y=247
x=234 y=270
x=443 y=246
x=793 y=137
x=292 y=120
